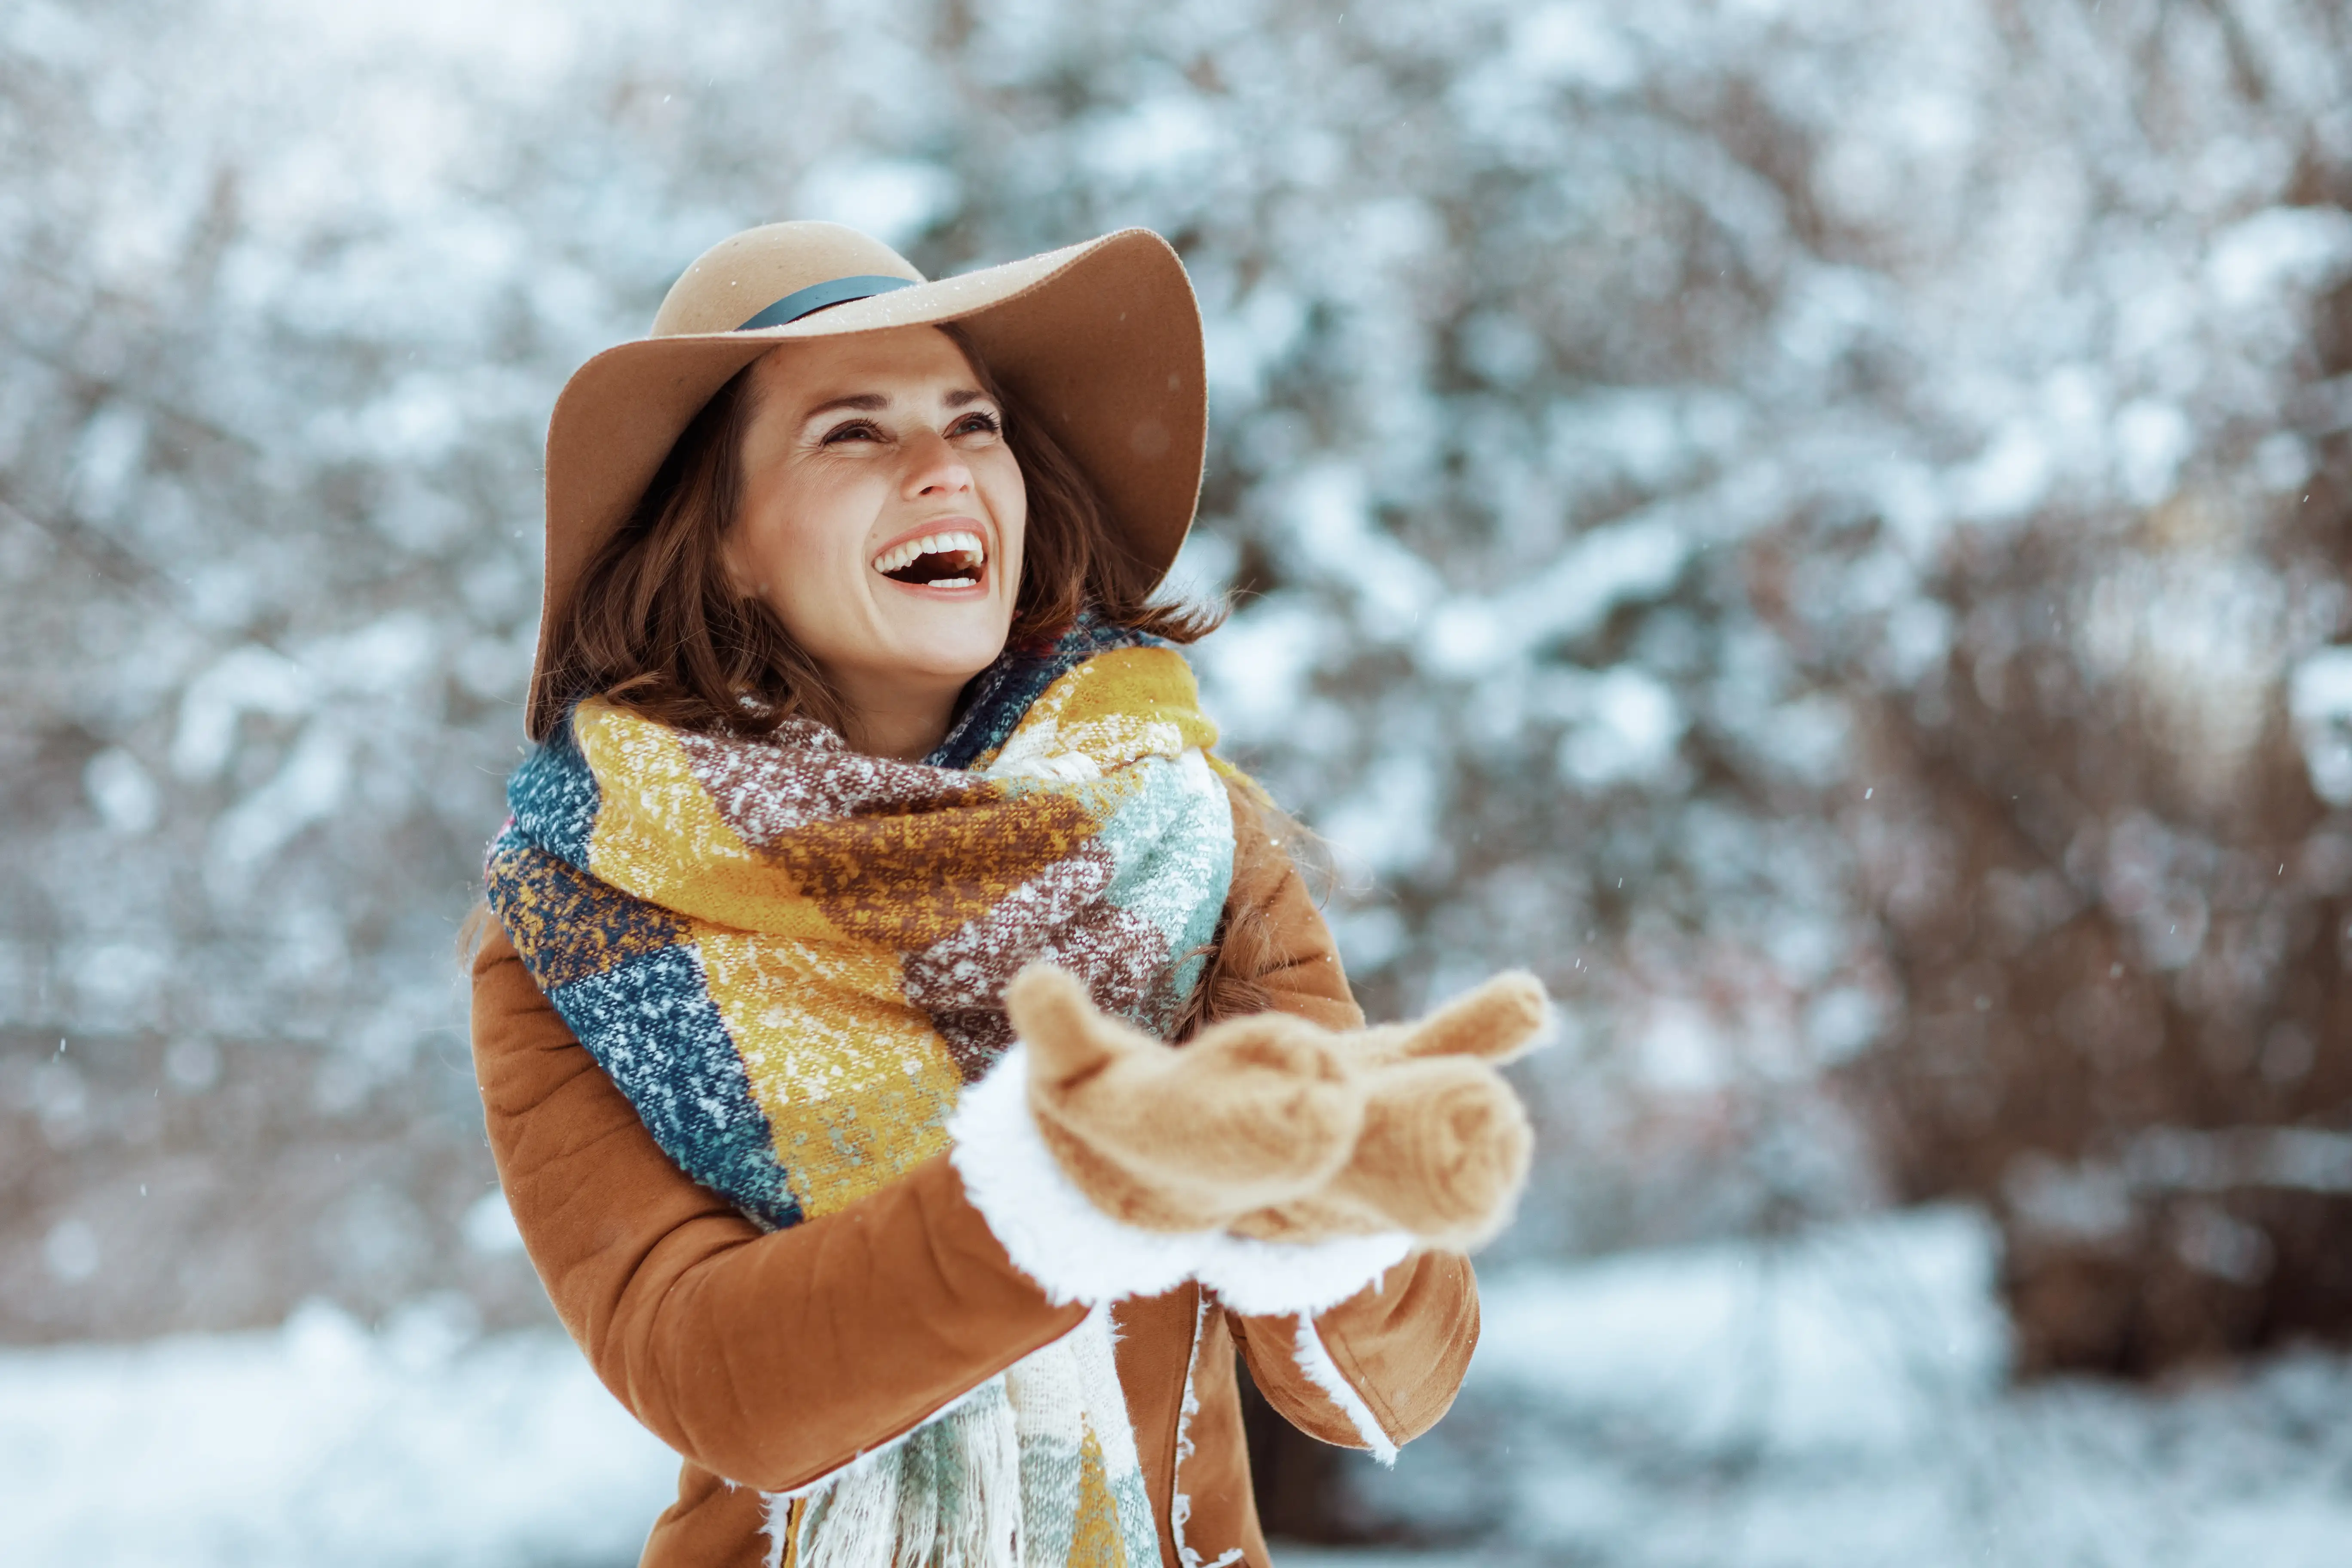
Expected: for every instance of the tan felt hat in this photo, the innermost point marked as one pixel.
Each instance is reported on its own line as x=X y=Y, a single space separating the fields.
x=1100 y=341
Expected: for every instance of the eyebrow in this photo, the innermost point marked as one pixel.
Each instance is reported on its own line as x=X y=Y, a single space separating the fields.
x=874 y=402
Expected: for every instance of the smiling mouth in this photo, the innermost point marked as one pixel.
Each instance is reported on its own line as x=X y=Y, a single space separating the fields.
x=950 y=559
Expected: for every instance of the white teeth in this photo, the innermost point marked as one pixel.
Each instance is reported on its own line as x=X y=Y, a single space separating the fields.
x=958 y=540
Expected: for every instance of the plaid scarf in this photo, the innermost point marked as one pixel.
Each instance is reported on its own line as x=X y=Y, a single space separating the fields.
x=790 y=957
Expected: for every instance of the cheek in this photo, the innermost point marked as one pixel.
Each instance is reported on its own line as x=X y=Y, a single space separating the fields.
x=793 y=550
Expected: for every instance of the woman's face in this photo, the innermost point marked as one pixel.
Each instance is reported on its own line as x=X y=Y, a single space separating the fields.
x=882 y=515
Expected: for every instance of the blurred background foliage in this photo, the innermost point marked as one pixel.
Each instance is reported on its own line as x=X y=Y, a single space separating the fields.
x=1819 y=528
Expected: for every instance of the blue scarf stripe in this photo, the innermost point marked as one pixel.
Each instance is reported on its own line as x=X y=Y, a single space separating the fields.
x=652 y=1026
x=553 y=796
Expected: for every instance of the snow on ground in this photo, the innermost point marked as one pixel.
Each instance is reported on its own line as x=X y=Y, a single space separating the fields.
x=1836 y=1401
x=319 y=1443
x=1829 y=1401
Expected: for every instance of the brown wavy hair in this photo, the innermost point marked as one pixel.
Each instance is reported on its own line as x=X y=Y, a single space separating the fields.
x=659 y=625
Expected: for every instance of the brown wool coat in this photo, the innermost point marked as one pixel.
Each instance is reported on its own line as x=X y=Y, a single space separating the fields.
x=767 y=1359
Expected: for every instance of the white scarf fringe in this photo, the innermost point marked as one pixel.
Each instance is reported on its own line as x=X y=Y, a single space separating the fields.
x=949 y=1494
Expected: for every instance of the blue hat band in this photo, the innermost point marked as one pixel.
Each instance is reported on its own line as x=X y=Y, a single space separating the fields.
x=818 y=297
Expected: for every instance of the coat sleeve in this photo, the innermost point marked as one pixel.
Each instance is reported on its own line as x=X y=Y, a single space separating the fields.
x=1380 y=1368
x=770 y=1358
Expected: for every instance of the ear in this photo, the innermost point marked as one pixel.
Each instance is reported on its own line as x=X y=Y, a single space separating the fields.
x=1068 y=1038
x=1494 y=1021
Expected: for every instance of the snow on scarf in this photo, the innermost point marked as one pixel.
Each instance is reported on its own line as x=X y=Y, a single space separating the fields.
x=790 y=956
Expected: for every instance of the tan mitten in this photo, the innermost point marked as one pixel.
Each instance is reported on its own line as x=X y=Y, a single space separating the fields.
x=1445 y=1145
x=1251 y=1113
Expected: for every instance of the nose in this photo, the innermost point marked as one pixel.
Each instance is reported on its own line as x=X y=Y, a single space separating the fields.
x=934 y=467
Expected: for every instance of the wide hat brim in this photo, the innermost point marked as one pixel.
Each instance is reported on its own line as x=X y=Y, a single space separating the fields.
x=1100 y=341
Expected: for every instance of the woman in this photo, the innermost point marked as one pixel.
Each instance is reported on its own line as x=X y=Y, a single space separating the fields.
x=864 y=750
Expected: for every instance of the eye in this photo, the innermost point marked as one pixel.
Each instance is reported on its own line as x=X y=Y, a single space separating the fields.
x=978 y=422
x=853 y=430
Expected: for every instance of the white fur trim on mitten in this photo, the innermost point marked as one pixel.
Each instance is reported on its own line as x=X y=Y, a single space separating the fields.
x=1057 y=1238
x=1270 y=1278
x=1054 y=1236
